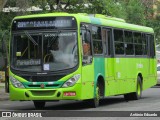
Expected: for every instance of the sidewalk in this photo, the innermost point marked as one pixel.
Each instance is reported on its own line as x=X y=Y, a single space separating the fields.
x=3 y=95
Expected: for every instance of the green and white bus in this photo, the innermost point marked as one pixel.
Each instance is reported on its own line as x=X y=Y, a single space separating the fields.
x=62 y=56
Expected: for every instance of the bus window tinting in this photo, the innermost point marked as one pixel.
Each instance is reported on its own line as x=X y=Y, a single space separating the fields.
x=108 y=36
x=129 y=47
x=138 y=44
x=138 y=49
x=119 y=42
x=144 y=44
x=152 y=46
x=97 y=40
x=86 y=42
x=137 y=38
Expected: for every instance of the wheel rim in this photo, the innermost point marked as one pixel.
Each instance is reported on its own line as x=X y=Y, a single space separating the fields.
x=97 y=95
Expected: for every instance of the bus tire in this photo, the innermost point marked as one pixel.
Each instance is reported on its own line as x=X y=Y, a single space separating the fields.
x=135 y=95
x=95 y=101
x=39 y=104
x=138 y=94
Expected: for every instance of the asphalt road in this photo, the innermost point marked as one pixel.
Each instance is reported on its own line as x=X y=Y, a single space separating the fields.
x=150 y=102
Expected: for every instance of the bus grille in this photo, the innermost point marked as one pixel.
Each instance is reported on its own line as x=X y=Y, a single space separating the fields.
x=43 y=78
x=54 y=85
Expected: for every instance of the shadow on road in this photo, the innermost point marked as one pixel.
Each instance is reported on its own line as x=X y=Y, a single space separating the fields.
x=156 y=86
x=84 y=105
x=78 y=105
x=72 y=105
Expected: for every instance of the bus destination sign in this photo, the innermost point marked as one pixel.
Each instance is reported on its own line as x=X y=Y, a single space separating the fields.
x=44 y=23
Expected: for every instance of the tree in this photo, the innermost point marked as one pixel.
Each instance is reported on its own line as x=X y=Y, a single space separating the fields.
x=106 y=7
x=22 y=5
x=2 y=4
x=58 y=5
x=135 y=12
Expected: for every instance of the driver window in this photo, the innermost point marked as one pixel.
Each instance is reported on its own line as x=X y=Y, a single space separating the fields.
x=86 y=44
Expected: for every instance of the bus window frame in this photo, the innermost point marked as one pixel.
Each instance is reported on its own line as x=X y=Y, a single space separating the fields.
x=149 y=46
x=112 y=46
x=131 y=56
x=111 y=42
x=20 y=72
x=99 y=55
x=127 y=55
x=119 y=55
x=88 y=29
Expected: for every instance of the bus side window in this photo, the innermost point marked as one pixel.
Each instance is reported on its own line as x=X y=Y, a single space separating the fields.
x=97 y=40
x=151 y=46
x=106 y=37
x=129 y=46
x=138 y=43
x=119 y=42
x=86 y=45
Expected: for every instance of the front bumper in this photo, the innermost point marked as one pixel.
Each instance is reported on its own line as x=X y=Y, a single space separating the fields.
x=44 y=94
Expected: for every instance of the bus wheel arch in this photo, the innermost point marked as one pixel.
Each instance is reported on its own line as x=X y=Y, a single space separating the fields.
x=99 y=90
x=98 y=93
x=141 y=78
x=101 y=84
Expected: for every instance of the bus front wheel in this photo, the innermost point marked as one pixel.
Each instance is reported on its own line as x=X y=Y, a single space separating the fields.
x=39 y=104
x=95 y=101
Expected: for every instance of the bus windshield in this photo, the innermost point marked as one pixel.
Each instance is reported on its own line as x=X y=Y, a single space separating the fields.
x=44 y=51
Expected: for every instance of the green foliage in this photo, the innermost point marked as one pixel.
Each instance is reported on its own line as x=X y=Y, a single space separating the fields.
x=106 y=7
x=5 y=22
x=6 y=19
x=133 y=11
x=155 y=24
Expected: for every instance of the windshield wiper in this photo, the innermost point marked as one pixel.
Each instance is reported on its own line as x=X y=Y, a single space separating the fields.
x=31 y=38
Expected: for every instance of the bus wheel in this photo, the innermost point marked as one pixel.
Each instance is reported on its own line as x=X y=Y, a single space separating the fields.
x=138 y=94
x=135 y=95
x=39 y=104
x=95 y=101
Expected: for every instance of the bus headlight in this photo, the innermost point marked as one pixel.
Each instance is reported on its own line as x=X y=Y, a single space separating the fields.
x=15 y=82
x=71 y=81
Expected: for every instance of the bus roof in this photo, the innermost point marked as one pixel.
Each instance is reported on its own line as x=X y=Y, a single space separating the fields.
x=96 y=19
